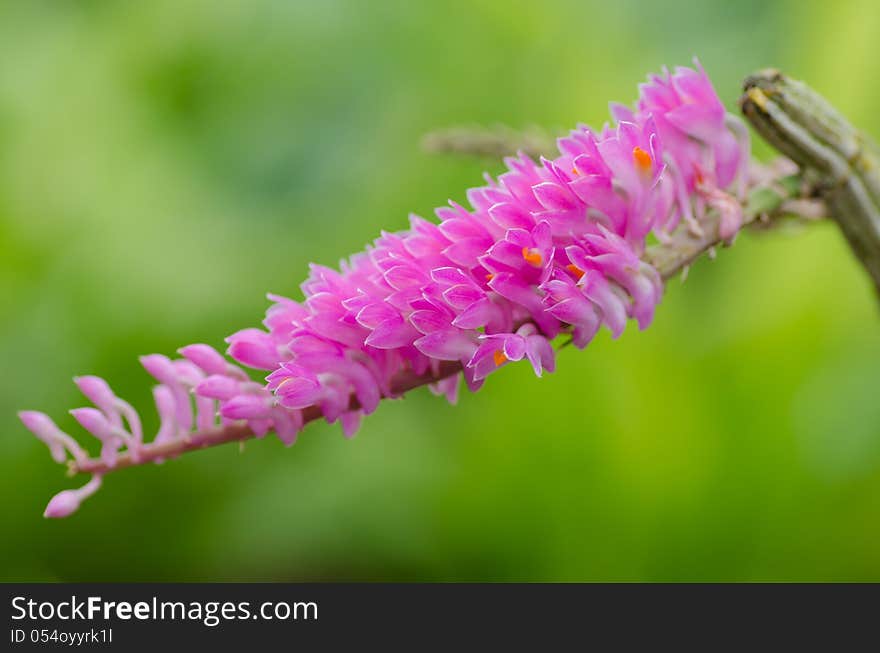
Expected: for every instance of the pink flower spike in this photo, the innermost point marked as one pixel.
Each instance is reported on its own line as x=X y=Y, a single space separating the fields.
x=67 y=502
x=550 y=248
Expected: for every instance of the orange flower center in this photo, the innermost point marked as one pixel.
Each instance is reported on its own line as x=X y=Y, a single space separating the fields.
x=532 y=256
x=575 y=270
x=642 y=160
x=499 y=357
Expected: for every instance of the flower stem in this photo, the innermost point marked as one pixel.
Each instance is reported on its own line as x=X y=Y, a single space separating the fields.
x=685 y=246
x=489 y=142
x=154 y=452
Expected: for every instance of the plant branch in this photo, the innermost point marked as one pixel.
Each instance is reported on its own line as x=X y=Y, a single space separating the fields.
x=489 y=142
x=765 y=203
x=842 y=163
x=237 y=432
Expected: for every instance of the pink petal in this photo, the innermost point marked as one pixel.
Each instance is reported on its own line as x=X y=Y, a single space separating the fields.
x=446 y=345
x=391 y=334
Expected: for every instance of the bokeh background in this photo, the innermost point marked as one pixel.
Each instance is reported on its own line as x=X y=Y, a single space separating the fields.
x=165 y=164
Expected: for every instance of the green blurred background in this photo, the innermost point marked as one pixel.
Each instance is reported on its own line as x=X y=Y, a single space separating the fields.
x=165 y=164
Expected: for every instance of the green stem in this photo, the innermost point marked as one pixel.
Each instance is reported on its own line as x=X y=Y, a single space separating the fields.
x=842 y=163
x=685 y=246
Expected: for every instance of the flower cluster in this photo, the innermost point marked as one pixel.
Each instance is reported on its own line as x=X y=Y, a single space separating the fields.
x=546 y=248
